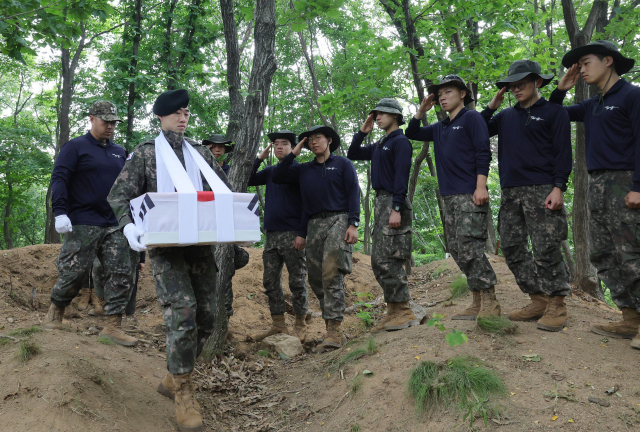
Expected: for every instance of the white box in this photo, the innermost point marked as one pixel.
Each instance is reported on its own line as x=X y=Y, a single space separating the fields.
x=157 y=215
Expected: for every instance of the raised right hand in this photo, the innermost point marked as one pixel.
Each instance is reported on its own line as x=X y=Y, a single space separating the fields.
x=297 y=149
x=265 y=153
x=368 y=124
x=497 y=99
x=570 y=78
x=426 y=104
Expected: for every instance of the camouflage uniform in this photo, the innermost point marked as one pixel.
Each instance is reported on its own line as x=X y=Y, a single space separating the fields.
x=98 y=279
x=522 y=215
x=185 y=277
x=330 y=258
x=391 y=248
x=466 y=230
x=80 y=247
x=279 y=250
x=614 y=232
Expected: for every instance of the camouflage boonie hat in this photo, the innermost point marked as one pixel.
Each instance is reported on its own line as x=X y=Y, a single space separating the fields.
x=391 y=106
x=104 y=110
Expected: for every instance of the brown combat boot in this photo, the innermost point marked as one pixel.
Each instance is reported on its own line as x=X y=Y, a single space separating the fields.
x=489 y=304
x=167 y=387
x=391 y=307
x=300 y=328
x=635 y=343
x=113 y=330
x=625 y=329
x=555 y=316
x=471 y=312
x=279 y=326
x=53 y=319
x=85 y=297
x=308 y=318
x=402 y=318
x=335 y=338
x=98 y=305
x=187 y=408
x=533 y=310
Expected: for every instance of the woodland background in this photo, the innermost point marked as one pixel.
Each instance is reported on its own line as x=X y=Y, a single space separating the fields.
x=256 y=66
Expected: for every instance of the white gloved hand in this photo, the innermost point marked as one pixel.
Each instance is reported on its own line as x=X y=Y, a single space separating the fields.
x=132 y=233
x=63 y=224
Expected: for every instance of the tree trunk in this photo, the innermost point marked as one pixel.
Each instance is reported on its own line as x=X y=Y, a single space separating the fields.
x=7 y=212
x=133 y=71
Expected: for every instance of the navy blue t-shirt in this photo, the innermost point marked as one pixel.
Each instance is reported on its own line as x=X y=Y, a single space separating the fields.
x=612 y=134
x=390 y=164
x=535 y=154
x=225 y=167
x=82 y=177
x=461 y=148
x=326 y=187
x=283 y=202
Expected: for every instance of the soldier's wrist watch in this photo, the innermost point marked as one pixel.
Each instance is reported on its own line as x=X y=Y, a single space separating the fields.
x=397 y=207
x=561 y=186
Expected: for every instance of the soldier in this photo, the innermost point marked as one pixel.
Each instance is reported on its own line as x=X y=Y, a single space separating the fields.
x=330 y=212
x=390 y=166
x=185 y=277
x=534 y=158
x=612 y=145
x=285 y=239
x=83 y=174
x=219 y=146
x=461 y=147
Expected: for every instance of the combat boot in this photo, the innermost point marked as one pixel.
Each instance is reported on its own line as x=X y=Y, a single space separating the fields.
x=625 y=329
x=334 y=338
x=300 y=328
x=471 y=312
x=187 y=408
x=555 y=316
x=98 y=305
x=402 y=317
x=85 y=297
x=391 y=307
x=635 y=343
x=489 y=304
x=308 y=317
x=53 y=319
x=279 y=326
x=113 y=330
x=533 y=310
x=167 y=387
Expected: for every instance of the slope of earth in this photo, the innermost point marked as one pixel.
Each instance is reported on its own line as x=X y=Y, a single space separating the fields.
x=78 y=383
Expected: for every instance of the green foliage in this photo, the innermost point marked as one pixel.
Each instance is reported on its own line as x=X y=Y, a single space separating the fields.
x=459 y=287
x=499 y=325
x=370 y=349
x=4 y=341
x=105 y=340
x=356 y=384
x=27 y=350
x=365 y=318
x=25 y=332
x=454 y=337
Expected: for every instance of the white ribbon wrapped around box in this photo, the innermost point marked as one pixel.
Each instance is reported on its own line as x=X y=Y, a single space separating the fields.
x=157 y=215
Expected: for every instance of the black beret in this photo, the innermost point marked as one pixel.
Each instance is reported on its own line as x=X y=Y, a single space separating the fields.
x=170 y=102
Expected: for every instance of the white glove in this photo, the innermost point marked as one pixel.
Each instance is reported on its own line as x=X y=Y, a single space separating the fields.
x=63 y=224
x=132 y=233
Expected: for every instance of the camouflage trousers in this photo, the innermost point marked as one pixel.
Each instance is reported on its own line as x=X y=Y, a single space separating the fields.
x=329 y=258
x=523 y=215
x=615 y=236
x=79 y=248
x=98 y=279
x=185 y=279
x=391 y=248
x=279 y=250
x=466 y=230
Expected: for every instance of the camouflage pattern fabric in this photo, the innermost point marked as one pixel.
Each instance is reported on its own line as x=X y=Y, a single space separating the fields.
x=615 y=236
x=391 y=248
x=329 y=258
x=279 y=250
x=466 y=230
x=523 y=215
x=105 y=110
x=185 y=279
x=79 y=248
x=99 y=279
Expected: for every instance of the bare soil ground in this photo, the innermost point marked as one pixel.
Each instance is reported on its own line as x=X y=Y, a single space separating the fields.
x=78 y=383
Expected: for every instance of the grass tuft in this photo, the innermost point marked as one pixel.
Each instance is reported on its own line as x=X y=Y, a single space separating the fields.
x=355 y=428
x=371 y=348
x=4 y=341
x=105 y=340
x=499 y=325
x=28 y=350
x=25 y=332
x=459 y=288
x=439 y=271
x=453 y=384
x=356 y=384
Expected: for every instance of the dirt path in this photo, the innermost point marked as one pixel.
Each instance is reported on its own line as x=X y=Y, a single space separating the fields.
x=78 y=383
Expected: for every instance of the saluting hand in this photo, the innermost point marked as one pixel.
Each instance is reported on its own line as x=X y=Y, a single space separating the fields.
x=351 y=236
x=368 y=124
x=632 y=200
x=297 y=149
x=427 y=103
x=498 y=98
x=265 y=153
x=570 y=78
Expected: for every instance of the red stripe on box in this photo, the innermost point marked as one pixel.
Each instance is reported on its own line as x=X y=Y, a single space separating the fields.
x=205 y=196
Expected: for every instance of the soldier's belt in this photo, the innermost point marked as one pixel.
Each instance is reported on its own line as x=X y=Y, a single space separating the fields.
x=602 y=171
x=383 y=192
x=324 y=215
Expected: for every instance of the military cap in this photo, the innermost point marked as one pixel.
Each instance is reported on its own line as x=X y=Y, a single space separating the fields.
x=170 y=102
x=602 y=47
x=454 y=80
x=520 y=69
x=283 y=134
x=324 y=130
x=391 y=106
x=104 y=110
x=219 y=139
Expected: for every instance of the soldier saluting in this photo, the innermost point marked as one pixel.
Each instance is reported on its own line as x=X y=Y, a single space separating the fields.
x=185 y=277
